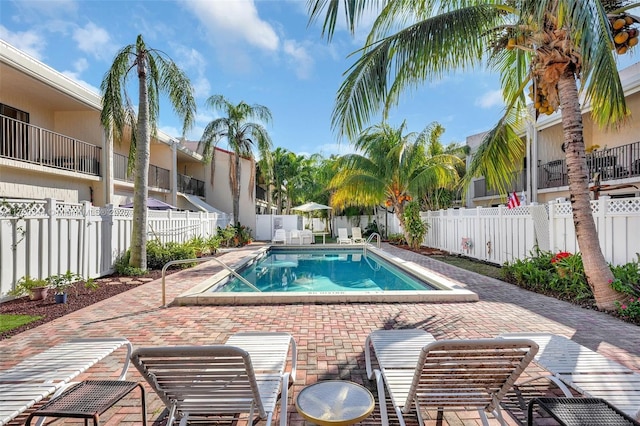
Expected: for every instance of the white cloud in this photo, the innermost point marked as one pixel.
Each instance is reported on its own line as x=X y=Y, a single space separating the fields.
x=299 y=57
x=490 y=99
x=95 y=41
x=237 y=20
x=335 y=148
x=192 y=62
x=29 y=42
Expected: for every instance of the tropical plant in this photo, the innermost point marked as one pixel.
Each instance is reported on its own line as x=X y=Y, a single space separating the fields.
x=27 y=285
x=416 y=229
x=241 y=133
x=390 y=168
x=156 y=74
x=61 y=282
x=547 y=44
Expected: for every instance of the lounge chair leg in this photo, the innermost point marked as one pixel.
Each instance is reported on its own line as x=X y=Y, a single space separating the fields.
x=172 y=415
x=184 y=419
x=382 y=399
x=484 y=419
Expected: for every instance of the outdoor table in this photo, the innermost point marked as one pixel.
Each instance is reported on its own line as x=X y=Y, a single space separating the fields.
x=580 y=411
x=89 y=399
x=335 y=403
x=324 y=234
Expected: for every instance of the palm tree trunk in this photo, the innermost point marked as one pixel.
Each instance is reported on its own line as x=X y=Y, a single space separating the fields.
x=596 y=269
x=138 y=257
x=236 y=192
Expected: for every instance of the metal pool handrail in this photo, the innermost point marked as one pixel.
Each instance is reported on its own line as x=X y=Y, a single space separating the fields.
x=366 y=243
x=201 y=259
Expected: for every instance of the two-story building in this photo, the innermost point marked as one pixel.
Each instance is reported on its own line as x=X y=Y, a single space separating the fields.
x=613 y=157
x=52 y=145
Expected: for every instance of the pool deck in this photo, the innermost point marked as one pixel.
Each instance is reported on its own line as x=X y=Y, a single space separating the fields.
x=330 y=337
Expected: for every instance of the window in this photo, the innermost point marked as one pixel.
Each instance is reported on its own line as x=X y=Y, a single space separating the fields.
x=14 y=132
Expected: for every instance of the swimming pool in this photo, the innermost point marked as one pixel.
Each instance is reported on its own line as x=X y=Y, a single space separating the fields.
x=327 y=270
x=325 y=274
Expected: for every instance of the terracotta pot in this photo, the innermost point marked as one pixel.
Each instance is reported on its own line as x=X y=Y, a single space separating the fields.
x=39 y=293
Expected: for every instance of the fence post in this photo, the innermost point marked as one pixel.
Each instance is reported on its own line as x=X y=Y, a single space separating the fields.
x=53 y=235
x=107 y=238
x=552 y=225
x=604 y=225
x=86 y=238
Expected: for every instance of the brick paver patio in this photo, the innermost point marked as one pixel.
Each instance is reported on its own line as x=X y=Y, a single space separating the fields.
x=330 y=337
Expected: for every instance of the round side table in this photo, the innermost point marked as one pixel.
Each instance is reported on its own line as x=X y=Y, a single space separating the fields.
x=335 y=403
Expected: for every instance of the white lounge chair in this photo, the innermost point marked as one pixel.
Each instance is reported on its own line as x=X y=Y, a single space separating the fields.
x=588 y=372
x=356 y=235
x=343 y=237
x=245 y=375
x=462 y=374
x=306 y=236
x=49 y=372
x=280 y=236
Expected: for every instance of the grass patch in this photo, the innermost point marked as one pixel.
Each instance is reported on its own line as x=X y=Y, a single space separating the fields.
x=9 y=322
x=473 y=266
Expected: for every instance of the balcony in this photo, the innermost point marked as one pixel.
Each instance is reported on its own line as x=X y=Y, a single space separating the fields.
x=158 y=177
x=190 y=185
x=480 y=188
x=31 y=144
x=613 y=163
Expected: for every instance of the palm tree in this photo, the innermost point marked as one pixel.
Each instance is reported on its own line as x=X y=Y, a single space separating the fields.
x=156 y=73
x=241 y=134
x=392 y=169
x=550 y=44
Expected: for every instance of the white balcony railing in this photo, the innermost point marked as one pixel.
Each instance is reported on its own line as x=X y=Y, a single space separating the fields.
x=24 y=142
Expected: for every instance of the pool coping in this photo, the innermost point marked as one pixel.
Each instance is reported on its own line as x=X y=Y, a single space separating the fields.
x=449 y=290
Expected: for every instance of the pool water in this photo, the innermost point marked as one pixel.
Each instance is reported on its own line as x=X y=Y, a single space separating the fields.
x=322 y=271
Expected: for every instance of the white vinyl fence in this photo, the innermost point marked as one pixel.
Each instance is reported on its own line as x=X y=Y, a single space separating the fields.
x=41 y=238
x=500 y=235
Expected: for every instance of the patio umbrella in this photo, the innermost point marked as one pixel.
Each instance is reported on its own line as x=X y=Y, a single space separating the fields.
x=309 y=207
x=153 y=204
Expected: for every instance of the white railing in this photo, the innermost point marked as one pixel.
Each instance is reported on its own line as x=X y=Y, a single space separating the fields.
x=45 y=237
x=28 y=143
x=500 y=235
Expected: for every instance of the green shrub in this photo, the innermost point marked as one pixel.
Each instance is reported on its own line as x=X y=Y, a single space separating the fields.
x=396 y=239
x=123 y=268
x=159 y=254
x=546 y=272
x=226 y=235
x=415 y=228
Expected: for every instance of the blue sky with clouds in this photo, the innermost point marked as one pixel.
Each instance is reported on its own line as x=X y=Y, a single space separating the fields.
x=257 y=51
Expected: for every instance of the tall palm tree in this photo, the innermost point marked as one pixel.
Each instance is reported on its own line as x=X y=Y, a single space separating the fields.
x=390 y=168
x=156 y=73
x=550 y=44
x=241 y=133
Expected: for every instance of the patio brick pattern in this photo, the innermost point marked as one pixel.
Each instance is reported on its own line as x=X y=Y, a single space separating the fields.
x=330 y=337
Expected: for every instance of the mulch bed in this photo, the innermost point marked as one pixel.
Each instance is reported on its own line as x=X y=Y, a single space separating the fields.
x=78 y=298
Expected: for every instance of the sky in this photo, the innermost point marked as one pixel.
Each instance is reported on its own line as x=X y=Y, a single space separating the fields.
x=258 y=51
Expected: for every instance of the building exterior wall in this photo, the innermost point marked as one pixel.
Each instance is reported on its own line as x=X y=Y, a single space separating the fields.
x=58 y=104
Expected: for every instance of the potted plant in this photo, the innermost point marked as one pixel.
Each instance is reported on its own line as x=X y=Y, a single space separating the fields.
x=60 y=283
x=35 y=288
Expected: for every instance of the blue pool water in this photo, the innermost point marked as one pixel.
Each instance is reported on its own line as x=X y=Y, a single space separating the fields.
x=330 y=270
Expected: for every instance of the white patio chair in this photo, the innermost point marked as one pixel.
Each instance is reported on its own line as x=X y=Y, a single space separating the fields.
x=343 y=237
x=306 y=236
x=587 y=371
x=295 y=237
x=245 y=375
x=280 y=236
x=356 y=235
x=461 y=374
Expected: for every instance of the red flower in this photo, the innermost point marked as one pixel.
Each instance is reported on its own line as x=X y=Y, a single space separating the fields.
x=559 y=256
